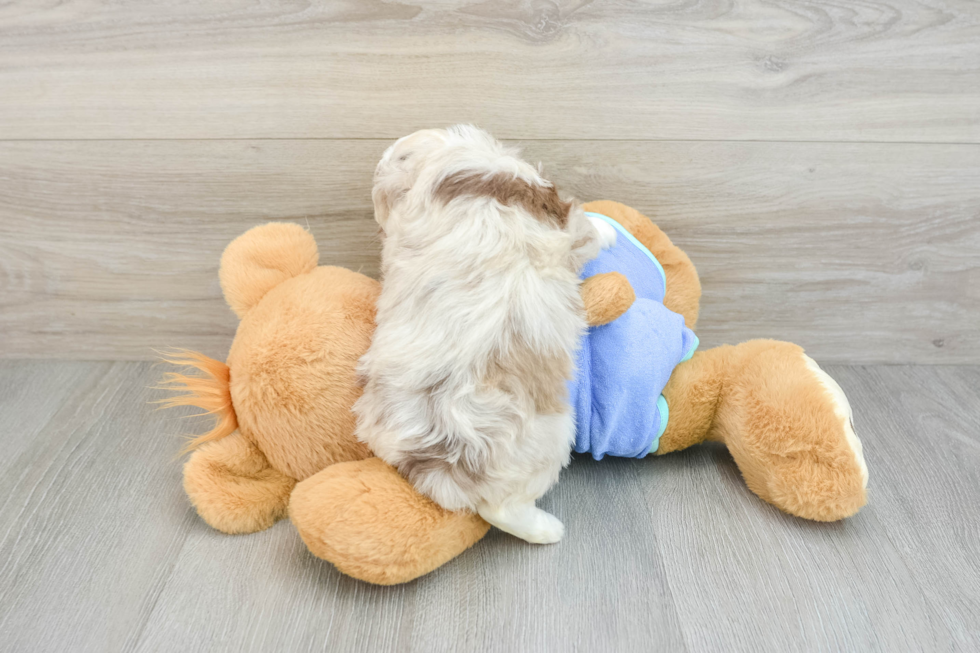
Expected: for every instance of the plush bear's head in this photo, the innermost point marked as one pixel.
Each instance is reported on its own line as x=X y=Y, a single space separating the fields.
x=292 y=363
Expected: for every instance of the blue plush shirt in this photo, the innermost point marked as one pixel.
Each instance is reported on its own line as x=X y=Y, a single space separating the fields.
x=623 y=366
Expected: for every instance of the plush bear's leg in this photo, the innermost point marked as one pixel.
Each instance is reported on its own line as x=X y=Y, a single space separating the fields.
x=693 y=395
x=233 y=487
x=373 y=525
x=786 y=423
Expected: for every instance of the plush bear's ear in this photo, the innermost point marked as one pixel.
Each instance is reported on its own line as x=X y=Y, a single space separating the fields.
x=261 y=259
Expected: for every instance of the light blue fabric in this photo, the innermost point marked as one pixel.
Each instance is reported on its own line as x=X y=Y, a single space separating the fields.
x=623 y=366
x=640 y=246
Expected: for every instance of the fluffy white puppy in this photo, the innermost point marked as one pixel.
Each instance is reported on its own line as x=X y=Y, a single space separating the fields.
x=478 y=321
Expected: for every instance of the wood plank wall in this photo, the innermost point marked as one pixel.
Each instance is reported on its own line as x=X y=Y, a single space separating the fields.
x=820 y=163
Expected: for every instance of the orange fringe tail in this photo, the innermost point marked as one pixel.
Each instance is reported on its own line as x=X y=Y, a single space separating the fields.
x=208 y=391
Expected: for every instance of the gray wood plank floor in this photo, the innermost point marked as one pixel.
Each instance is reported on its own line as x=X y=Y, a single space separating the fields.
x=100 y=551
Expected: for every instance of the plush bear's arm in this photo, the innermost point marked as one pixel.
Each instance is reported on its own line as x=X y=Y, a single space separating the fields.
x=606 y=297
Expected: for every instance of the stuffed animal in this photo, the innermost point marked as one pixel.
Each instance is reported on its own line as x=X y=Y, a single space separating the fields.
x=283 y=442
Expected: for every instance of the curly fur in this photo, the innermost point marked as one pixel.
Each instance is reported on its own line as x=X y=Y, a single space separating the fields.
x=478 y=319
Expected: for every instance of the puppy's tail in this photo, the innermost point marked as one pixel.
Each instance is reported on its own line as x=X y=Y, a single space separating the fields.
x=208 y=390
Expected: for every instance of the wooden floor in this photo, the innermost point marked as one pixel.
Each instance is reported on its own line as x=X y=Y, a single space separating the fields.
x=100 y=550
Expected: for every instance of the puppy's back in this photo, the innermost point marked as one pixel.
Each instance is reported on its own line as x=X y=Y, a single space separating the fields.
x=478 y=320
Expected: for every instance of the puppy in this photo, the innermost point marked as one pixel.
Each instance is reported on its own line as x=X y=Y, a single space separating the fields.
x=477 y=323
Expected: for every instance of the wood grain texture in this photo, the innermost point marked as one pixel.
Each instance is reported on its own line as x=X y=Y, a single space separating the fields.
x=810 y=586
x=92 y=515
x=905 y=70
x=932 y=421
x=100 y=551
x=859 y=252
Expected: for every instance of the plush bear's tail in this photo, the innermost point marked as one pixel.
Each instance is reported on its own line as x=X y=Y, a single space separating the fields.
x=208 y=391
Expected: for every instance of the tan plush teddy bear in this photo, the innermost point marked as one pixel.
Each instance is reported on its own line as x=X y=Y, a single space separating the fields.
x=284 y=443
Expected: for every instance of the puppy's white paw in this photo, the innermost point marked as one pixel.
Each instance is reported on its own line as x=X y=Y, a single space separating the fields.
x=525 y=521
x=607 y=232
x=548 y=530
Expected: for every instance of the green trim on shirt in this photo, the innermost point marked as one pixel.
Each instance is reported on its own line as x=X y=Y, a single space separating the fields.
x=664 y=416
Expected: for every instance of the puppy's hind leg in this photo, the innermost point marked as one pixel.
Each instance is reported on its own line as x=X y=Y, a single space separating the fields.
x=524 y=520
x=553 y=435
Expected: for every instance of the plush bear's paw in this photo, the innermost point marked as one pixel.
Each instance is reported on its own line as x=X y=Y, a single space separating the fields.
x=233 y=487
x=606 y=296
x=788 y=427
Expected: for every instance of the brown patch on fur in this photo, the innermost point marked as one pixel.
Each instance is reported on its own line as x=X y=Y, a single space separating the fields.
x=531 y=378
x=439 y=456
x=542 y=202
x=540 y=378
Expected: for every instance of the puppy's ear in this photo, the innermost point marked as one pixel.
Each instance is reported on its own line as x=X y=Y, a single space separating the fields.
x=393 y=178
x=391 y=182
x=399 y=167
x=384 y=198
